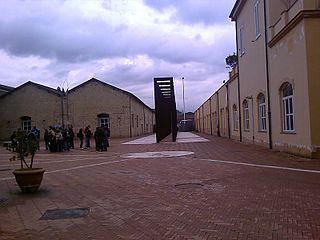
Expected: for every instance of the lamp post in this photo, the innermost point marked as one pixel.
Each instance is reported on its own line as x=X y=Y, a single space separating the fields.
x=184 y=106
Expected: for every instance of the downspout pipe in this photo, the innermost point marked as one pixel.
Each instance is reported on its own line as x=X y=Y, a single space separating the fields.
x=218 y=117
x=130 y=117
x=267 y=73
x=228 y=110
x=210 y=116
x=239 y=101
x=202 y=119
x=62 y=109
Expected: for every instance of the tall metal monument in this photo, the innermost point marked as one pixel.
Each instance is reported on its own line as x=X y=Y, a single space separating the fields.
x=165 y=108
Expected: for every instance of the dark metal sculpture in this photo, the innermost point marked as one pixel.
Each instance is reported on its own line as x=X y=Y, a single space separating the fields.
x=165 y=108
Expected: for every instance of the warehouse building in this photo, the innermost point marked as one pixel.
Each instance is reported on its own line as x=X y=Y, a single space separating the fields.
x=93 y=103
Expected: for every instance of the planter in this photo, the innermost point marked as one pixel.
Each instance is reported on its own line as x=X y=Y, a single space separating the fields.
x=29 y=179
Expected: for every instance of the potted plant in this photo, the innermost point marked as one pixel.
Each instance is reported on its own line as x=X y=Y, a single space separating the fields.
x=27 y=177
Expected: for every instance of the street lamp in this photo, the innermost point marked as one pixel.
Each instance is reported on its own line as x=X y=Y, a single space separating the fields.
x=184 y=106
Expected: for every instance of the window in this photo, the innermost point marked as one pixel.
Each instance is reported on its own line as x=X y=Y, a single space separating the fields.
x=26 y=123
x=287 y=108
x=262 y=112
x=235 y=118
x=103 y=120
x=241 y=40
x=246 y=115
x=257 y=19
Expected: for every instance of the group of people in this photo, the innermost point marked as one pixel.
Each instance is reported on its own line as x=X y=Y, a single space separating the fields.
x=101 y=137
x=59 y=139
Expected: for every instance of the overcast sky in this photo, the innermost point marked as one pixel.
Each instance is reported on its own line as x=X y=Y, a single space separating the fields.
x=125 y=43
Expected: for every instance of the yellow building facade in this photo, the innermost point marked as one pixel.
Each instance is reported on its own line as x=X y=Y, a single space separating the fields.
x=93 y=103
x=278 y=76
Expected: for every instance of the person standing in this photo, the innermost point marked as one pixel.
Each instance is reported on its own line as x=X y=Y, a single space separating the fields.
x=108 y=136
x=46 y=138
x=98 y=136
x=71 y=137
x=87 y=135
x=36 y=133
x=80 y=135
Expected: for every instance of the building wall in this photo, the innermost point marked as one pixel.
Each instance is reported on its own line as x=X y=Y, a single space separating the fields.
x=253 y=81
x=213 y=116
x=206 y=117
x=233 y=101
x=80 y=107
x=142 y=119
x=223 y=111
x=293 y=57
x=94 y=98
x=42 y=106
x=290 y=50
x=312 y=27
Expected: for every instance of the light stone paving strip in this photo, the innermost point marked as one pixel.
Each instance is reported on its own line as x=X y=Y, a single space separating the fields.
x=182 y=137
x=261 y=166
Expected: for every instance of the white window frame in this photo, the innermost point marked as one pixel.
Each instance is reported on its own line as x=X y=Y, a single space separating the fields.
x=241 y=40
x=235 y=118
x=257 y=19
x=262 y=113
x=26 y=125
x=104 y=121
x=287 y=112
x=246 y=116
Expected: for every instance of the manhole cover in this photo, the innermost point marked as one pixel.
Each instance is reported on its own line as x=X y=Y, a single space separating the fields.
x=189 y=185
x=162 y=154
x=55 y=214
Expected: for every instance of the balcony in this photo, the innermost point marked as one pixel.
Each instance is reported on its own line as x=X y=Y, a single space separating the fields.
x=287 y=16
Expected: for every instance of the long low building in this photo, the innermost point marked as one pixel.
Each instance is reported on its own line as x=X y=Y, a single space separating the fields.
x=274 y=98
x=93 y=103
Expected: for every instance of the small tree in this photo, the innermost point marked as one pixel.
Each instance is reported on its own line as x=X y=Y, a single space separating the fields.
x=26 y=145
x=232 y=60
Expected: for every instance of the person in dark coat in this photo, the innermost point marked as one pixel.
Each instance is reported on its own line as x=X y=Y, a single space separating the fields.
x=80 y=135
x=87 y=135
x=70 y=137
x=46 y=138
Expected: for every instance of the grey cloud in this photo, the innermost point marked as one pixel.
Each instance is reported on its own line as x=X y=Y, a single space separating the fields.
x=208 y=12
x=71 y=44
x=82 y=41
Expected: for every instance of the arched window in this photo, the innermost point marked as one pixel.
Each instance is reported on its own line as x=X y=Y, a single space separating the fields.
x=287 y=107
x=246 y=119
x=26 y=123
x=235 y=117
x=262 y=112
x=103 y=120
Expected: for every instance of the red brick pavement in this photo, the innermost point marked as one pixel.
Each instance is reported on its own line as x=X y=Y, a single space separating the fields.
x=187 y=197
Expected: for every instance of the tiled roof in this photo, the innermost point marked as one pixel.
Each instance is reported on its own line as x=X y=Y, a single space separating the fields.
x=48 y=89
x=110 y=86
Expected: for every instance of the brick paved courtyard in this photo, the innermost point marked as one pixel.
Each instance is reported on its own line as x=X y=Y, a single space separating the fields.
x=225 y=190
